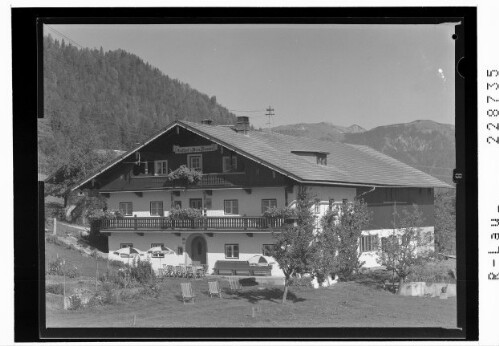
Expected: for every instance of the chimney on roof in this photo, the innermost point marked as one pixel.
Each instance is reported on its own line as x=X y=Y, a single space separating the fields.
x=206 y=121
x=242 y=125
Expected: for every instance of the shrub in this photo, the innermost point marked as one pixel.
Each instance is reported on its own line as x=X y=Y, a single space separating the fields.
x=116 y=264
x=54 y=209
x=55 y=267
x=248 y=282
x=185 y=214
x=114 y=278
x=55 y=289
x=72 y=272
x=142 y=272
x=301 y=282
x=151 y=290
x=435 y=271
x=74 y=302
x=107 y=294
x=58 y=267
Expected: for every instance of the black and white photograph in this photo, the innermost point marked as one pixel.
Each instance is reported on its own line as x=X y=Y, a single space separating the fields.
x=249 y=175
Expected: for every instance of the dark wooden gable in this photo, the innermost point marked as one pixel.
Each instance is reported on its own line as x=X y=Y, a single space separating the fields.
x=129 y=175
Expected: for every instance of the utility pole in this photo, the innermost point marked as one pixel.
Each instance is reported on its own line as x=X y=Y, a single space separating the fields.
x=270 y=114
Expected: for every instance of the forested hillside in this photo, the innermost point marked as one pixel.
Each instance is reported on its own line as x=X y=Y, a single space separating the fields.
x=109 y=100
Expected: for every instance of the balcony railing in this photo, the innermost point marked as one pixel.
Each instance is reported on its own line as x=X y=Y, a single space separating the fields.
x=208 y=223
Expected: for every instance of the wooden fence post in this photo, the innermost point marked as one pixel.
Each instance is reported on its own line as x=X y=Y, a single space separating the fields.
x=54 y=232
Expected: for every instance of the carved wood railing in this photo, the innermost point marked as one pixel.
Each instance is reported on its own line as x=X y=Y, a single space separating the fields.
x=210 y=223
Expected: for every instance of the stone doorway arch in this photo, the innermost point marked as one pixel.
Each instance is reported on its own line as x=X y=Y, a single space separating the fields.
x=197 y=248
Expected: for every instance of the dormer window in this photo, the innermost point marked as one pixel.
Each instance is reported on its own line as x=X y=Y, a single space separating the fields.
x=319 y=157
x=322 y=159
x=161 y=167
x=229 y=164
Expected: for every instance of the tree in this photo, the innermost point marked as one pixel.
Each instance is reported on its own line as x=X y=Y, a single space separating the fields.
x=342 y=228
x=294 y=246
x=445 y=221
x=408 y=245
x=77 y=158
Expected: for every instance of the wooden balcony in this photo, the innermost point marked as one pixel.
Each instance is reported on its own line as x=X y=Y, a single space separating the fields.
x=209 y=224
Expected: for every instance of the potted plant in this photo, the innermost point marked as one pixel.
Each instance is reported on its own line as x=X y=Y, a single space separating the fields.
x=185 y=175
x=286 y=213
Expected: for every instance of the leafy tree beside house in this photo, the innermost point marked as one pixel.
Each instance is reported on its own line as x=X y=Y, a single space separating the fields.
x=408 y=246
x=342 y=228
x=295 y=247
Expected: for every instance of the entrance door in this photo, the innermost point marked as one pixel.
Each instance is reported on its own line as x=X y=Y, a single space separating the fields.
x=198 y=250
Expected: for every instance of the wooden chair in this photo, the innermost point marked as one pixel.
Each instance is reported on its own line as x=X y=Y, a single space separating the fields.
x=234 y=284
x=187 y=292
x=214 y=288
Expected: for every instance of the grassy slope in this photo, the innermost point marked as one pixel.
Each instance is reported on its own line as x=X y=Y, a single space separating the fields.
x=86 y=265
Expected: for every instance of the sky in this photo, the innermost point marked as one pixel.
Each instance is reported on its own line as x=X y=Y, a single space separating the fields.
x=369 y=75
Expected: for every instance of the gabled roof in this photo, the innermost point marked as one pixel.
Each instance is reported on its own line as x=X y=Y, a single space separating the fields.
x=348 y=164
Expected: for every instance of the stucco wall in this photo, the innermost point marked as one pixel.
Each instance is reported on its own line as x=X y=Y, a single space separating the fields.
x=248 y=247
x=249 y=203
x=371 y=257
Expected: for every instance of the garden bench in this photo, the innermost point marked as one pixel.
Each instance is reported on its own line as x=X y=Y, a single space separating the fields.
x=232 y=268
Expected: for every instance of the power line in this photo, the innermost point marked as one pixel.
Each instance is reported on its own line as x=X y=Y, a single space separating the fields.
x=247 y=111
x=62 y=35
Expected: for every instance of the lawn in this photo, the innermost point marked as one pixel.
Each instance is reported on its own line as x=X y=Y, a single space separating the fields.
x=346 y=304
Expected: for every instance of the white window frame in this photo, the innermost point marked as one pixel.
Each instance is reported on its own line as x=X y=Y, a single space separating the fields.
x=368 y=243
x=190 y=156
x=229 y=251
x=160 y=167
x=229 y=207
x=229 y=165
x=156 y=208
x=125 y=212
x=266 y=205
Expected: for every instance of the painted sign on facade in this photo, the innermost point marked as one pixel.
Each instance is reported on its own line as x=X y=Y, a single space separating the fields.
x=195 y=149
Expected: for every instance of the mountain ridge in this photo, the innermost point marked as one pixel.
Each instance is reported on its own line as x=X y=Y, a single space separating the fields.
x=423 y=144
